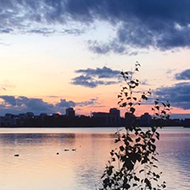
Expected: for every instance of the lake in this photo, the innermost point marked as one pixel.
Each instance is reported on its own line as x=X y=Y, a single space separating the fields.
x=75 y=158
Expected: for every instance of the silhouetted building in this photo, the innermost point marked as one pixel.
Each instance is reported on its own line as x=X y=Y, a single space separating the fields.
x=108 y=119
x=115 y=111
x=115 y=116
x=130 y=119
x=145 y=120
x=55 y=115
x=70 y=112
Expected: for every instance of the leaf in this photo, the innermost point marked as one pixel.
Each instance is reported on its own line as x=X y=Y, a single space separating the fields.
x=103 y=175
x=168 y=117
x=136 y=178
x=110 y=170
x=121 y=148
x=138 y=139
x=130 y=103
x=144 y=97
x=126 y=186
x=147 y=181
x=157 y=107
x=128 y=164
x=132 y=110
x=141 y=171
x=124 y=104
x=157 y=135
x=154 y=158
x=129 y=138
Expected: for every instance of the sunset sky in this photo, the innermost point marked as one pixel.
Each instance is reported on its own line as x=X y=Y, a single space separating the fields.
x=56 y=54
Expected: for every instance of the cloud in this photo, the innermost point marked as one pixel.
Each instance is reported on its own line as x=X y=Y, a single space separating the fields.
x=10 y=100
x=149 y=24
x=74 y=31
x=6 y=85
x=22 y=104
x=94 y=77
x=65 y=104
x=44 y=31
x=185 y=75
x=177 y=95
x=90 y=102
x=104 y=72
x=105 y=48
x=158 y=24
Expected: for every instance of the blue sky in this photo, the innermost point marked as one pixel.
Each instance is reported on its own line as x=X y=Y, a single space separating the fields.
x=60 y=53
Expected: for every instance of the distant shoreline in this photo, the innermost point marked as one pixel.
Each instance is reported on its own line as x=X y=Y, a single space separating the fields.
x=15 y=127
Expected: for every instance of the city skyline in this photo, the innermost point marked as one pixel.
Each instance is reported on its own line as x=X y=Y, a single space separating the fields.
x=57 y=54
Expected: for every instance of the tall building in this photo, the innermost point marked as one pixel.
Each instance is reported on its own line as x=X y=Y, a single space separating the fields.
x=70 y=112
x=115 y=116
x=108 y=119
x=145 y=119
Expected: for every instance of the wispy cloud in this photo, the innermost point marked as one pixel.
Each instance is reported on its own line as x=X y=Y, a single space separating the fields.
x=94 y=77
x=91 y=102
x=6 y=85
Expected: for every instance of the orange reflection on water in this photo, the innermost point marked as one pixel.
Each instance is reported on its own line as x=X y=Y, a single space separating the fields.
x=76 y=161
x=49 y=160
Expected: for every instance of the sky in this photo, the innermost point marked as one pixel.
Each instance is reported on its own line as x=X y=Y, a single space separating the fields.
x=56 y=54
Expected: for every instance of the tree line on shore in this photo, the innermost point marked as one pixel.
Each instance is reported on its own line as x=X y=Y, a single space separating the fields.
x=57 y=120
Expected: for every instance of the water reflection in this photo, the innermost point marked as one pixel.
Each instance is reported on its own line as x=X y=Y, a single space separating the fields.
x=40 y=167
x=174 y=160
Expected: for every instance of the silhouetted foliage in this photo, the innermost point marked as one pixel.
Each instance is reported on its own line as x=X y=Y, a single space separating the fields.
x=133 y=162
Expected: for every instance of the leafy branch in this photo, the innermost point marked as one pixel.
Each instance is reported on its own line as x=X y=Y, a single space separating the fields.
x=133 y=163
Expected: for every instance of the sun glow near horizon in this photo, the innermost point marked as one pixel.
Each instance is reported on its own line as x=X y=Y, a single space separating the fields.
x=74 y=56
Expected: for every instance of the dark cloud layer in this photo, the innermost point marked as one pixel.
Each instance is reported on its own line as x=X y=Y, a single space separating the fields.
x=159 y=24
x=185 y=75
x=94 y=77
x=22 y=104
x=177 y=95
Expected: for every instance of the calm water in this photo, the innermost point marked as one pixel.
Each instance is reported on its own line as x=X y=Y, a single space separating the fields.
x=39 y=167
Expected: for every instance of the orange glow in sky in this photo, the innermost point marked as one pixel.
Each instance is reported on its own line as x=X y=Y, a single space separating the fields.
x=49 y=64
